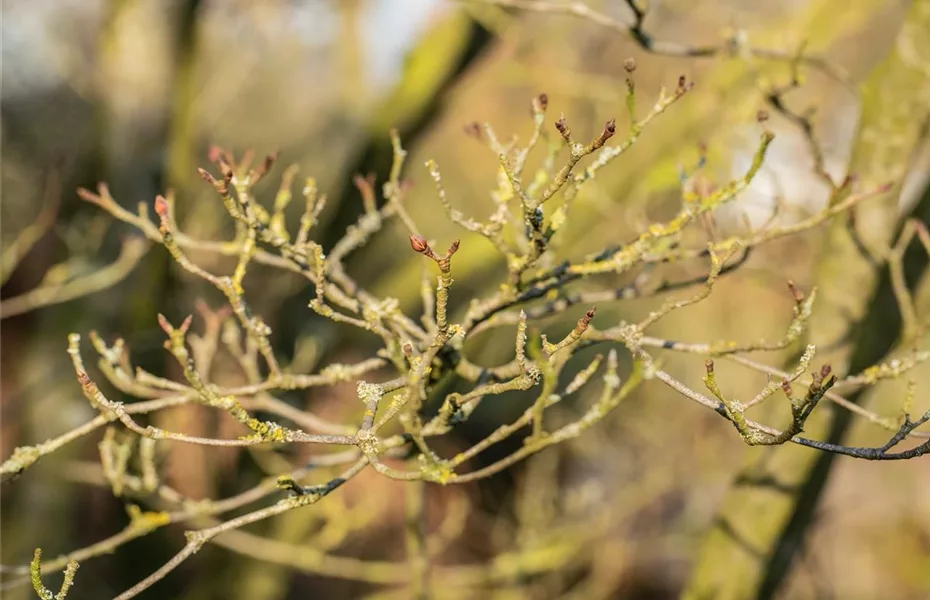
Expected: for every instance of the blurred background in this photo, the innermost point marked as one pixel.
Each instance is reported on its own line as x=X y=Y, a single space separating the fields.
x=134 y=92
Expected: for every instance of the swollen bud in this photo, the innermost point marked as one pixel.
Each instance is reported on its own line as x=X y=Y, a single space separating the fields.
x=161 y=206
x=419 y=244
x=796 y=292
x=164 y=324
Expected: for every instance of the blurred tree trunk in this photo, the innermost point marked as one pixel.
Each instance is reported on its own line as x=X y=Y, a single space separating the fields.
x=138 y=164
x=763 y=519
x=182 y=134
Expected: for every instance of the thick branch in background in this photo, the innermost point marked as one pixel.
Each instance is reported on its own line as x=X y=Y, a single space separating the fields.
x=875 y=335
x=763 y=520
x=433 y=69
